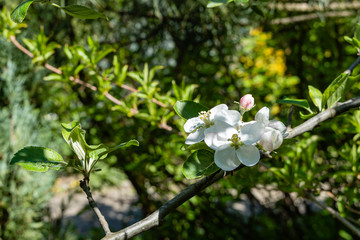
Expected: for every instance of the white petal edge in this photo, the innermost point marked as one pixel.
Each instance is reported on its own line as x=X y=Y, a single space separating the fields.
x=226 y=159
x=262 y=116
x=217 y=109
x=192 y=124
x=195 y=137
x=248 y=155
x=277 y=125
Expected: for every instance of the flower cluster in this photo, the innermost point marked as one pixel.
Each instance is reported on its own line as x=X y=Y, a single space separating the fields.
x=235 y=142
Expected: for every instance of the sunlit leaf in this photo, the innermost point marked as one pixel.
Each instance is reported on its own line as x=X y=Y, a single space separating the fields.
x=316 y=96
x=83 y=12
x=38 y=159
x=335 y=90
x=303 y=103
x=217 y=3
x=188 y=109
x=19 y=13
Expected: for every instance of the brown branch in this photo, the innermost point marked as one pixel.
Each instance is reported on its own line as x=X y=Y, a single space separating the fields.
x=58 y=71
x=311 y=16
x=306 y=7
x=84 y=184
x=20 y=47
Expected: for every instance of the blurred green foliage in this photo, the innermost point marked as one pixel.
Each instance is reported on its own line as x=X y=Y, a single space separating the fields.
x=212 y=55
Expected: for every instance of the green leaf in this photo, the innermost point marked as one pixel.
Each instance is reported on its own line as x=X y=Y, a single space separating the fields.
x=188 y=109
x=54 y=77
x=217 y=3
x=335 y=90
x=38 y=159
x=67 y=128
x=356 y=42
x=348 y=39
x=357 y=32
x=88 y=154
x=132 y=142
x=101 y=54
x=316 y=96
x=303 y=103
x=306 y=116
x=83 y=12
x=19 y=13
x=200 y=163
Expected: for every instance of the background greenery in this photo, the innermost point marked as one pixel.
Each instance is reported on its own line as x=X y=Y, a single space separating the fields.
x=211 y=55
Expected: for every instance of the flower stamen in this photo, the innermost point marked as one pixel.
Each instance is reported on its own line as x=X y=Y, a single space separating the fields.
x=235 y=141
x=205 y=117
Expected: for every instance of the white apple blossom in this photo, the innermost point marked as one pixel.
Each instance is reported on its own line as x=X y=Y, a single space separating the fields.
x=274 y=130
x=233 y=145
x=207 y=120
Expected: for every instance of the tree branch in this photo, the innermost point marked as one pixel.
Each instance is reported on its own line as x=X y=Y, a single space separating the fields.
x=335 y=214
x=323 y=116
x=156 y=218
x=310 y=16
x=307 y=7
x=84 y=184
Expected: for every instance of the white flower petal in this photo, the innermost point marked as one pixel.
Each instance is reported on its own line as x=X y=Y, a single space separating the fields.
x=192 y=124
x=218 y=134
x=231 y=117
x=195 y=137
x=262 y=116
x=226 y=159
x=217 y=109
x=251 y=132
x=277 y=125
x=248 y=155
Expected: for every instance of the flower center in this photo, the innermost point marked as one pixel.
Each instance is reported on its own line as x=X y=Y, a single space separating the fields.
x=205 y=117
x=235 y=141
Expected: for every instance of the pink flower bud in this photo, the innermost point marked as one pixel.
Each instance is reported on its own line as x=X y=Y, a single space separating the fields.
x=247 y=102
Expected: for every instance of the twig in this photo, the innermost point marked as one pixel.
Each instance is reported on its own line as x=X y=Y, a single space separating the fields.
x=156 y=218
x=322 y=116
x=80 y=82
x=307 y=17
x=335 y=214
x=84 y=184
x=20 y=47
x=307 y=7
x=58 y=71
x=351 y=68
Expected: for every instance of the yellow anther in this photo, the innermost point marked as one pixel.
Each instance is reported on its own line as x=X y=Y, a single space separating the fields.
x=235 y=141
x=205 y=116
